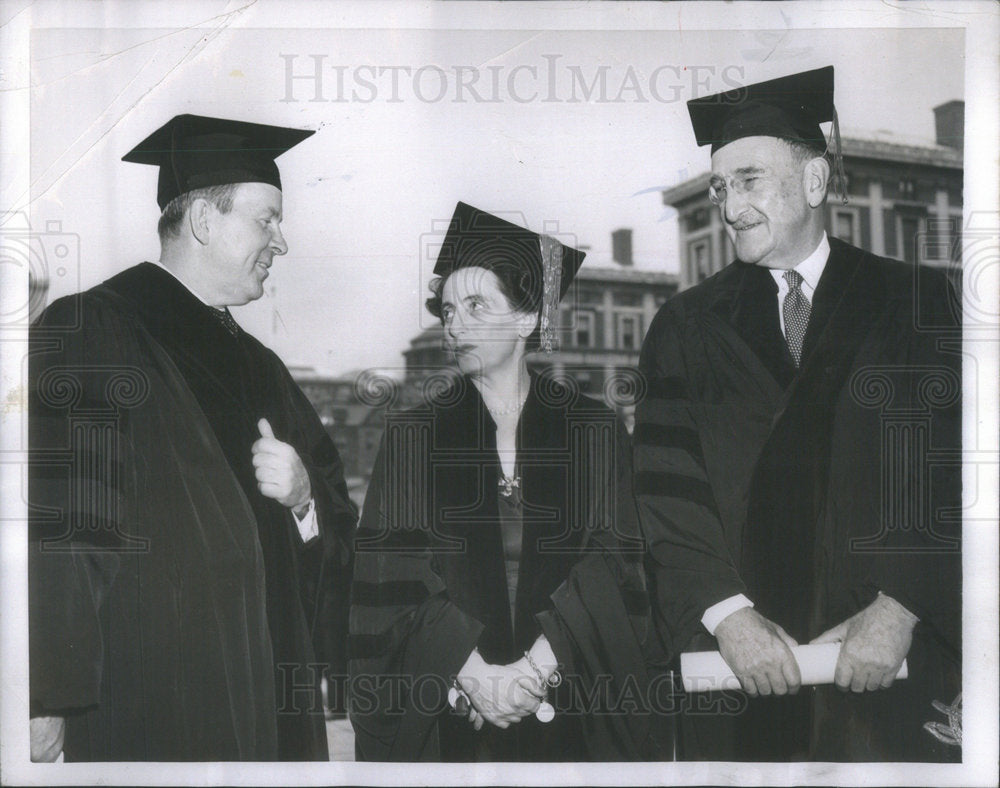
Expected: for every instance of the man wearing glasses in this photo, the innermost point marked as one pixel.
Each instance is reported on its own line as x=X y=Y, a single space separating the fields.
x=782 y=457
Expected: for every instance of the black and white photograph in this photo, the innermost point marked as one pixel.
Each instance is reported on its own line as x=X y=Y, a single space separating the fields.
x=454 y=392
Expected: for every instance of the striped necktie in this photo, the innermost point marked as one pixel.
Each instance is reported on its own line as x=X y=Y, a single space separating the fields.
x=223 y=316
x=795 y=310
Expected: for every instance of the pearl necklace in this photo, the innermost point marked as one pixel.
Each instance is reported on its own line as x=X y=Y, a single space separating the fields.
x=505 y=483
x=508 y=409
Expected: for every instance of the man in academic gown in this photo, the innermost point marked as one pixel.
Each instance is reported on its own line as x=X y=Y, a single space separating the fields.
x=188 y=510
x=797 y=459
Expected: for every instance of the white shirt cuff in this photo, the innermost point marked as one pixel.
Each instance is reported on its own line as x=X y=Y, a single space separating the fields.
x=714 y=615
x=308 y=525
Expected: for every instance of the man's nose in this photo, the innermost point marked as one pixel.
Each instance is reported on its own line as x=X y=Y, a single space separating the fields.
x=734 y=205
x=278 y=241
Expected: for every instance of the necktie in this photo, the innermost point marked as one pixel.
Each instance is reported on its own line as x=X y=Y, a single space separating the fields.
x=223 y=316
x=796 y=313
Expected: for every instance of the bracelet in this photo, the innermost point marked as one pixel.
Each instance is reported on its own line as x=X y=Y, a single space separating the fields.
x=554 y=679
x=545 y=712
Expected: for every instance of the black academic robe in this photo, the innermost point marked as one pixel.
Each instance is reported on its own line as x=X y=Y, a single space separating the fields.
x=430 y=584
x=171 y=604
x=808 y=490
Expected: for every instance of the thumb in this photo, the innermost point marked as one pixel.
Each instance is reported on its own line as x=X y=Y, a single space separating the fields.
x=787 y=639
x=833 y=635
x=265 y=429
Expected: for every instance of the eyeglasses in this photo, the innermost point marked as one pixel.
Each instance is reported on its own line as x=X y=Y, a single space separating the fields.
x=717 y=188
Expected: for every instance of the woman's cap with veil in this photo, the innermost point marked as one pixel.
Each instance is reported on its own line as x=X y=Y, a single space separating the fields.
x=479 y=239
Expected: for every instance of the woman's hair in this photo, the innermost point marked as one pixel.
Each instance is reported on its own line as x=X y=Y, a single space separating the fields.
x=519 y=284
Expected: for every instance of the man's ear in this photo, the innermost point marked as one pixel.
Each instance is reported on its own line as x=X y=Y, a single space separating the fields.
x=199 y=215
x=815 y=181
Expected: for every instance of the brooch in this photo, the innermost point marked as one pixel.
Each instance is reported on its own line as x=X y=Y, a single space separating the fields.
x=507 y=485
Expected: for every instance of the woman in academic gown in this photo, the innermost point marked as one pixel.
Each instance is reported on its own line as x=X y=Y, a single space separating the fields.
x=498 y=609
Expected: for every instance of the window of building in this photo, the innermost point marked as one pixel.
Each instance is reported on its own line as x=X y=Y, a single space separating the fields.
x=589 y=295
x=954 y=189
x=628 y=328
x=697 y=219
x=909 y=230
x=846 y=226
x=937 y=242
x=626 y=298
x=856 y=184
x=583 y=329
x=699 y=261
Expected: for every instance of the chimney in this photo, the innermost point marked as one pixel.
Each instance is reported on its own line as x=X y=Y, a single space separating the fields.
x=949 y=123
x=621 y=246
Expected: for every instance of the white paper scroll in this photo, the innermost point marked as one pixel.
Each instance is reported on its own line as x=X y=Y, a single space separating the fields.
x=705 y=671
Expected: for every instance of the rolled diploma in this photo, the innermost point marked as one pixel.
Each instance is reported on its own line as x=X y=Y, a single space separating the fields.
x=706 y=671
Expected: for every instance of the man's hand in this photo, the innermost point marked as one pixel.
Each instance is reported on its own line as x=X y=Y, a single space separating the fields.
x=280 y=473
x=47 y=735
x=500 y=694
x=875 y=643
x=758 y=651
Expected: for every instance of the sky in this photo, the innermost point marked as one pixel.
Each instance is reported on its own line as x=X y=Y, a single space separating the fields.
x=575 y=131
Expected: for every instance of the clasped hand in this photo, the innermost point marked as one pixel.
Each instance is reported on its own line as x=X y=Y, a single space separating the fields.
x=874 y=642
x=279 y=470
x=759 y=652
x=500 y=694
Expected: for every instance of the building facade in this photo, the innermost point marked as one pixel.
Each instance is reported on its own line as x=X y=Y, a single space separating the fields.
x=351 y=418
x=904 y=201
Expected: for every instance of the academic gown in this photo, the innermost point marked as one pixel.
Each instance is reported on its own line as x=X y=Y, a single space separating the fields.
x=430 y=582
x=809 y=490
x=171 y=604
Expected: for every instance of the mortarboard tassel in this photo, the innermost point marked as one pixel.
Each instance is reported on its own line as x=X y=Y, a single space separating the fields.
x=838 y=159
x=552 y=252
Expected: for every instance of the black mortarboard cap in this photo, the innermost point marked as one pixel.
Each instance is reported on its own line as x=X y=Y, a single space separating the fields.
x=790 y=107
x=477 y=238
x=195 y=152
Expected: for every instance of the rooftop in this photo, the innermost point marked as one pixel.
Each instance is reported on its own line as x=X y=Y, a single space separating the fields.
x=622 y=274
